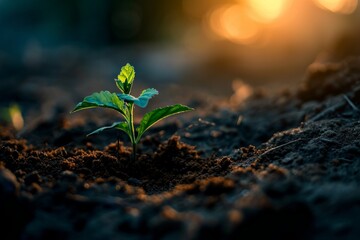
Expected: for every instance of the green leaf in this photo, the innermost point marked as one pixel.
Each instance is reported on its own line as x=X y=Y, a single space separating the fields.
x=127 y=73
x=158 y=114
x=103 y=99
x=126 y=78
x=118 y=125
x=120 y=85
x=142 y=100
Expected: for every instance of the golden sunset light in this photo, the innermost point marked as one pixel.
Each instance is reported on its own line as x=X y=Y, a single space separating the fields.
x=234 y=24
x=338 y=6
x=267 y=11
x=244 y=22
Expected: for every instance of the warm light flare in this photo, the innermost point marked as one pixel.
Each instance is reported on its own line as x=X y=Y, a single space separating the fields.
x=239 y=27
x=242 y=23
x=338 y=6
x=16 y=117
x=242 y=91
x=267 y=10
x=215 y=22
x=232 y=22
x=258 y=22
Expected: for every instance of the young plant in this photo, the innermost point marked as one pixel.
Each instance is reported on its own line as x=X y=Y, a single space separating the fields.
x=124 y=104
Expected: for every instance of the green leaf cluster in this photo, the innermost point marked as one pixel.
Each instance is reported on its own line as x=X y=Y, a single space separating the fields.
x=126 y=78
x=124 y=104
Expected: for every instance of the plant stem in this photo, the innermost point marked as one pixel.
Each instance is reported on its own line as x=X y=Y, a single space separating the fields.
x=132 y=129
x=134 y=152
x=118 y=147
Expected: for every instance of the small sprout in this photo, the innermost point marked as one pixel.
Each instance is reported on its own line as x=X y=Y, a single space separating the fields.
x=124 y=104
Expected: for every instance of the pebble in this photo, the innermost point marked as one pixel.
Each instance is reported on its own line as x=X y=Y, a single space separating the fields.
x=68 y=176
x=9 y=186
x=134 y=181
x=33 y=177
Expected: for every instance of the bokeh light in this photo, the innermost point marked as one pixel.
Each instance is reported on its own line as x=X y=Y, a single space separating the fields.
x=256 y=21
x=16 y=117
x=338 y=6
x=267 y=11
x=242 y=91
x=238 y=26
x=232 y=22
x=247 y=39
x=243 y=22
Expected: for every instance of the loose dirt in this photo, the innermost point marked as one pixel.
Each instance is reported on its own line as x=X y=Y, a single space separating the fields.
x=282 y=167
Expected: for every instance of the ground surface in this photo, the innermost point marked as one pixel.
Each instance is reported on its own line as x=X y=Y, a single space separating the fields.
x=284 y=167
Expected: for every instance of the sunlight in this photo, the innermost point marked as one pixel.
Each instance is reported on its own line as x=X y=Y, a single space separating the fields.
x=231 y=22
x=267 y=11
x=239 y=27
x=242 y=23
x=338 y=6
x=215 y=23
x=254 y=22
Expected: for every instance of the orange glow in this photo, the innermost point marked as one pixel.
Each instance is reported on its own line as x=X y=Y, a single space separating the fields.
x=242 y=92
x=215 y=21
x=338 y=6
x=266 y=10
x=239 y=27
x=16 y=117
x=232 y=22
x=194 y=8
x=259 y=22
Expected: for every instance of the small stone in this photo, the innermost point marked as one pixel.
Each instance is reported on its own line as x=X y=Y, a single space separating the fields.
x=85 y=171
x=68 y=176
x=14 y=212
x=33 y=177
x=9 y=186
x=96 y=163
x=35 y=188
x=134 y=181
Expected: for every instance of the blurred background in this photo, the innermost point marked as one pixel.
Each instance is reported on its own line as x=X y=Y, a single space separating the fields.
x=56 y=51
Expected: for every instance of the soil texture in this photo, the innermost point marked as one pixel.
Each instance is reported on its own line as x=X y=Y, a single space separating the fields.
x=281 y=167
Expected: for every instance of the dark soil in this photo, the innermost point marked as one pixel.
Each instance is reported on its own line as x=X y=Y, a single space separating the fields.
x=284 y=167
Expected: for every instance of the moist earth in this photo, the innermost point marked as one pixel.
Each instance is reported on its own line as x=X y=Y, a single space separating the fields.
x=275 y=167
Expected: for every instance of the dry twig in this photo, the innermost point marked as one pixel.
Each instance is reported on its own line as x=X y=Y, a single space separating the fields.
x=352 y=105
x=277 y=147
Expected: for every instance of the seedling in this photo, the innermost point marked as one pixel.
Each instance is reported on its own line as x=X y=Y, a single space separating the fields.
x=124 y=104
